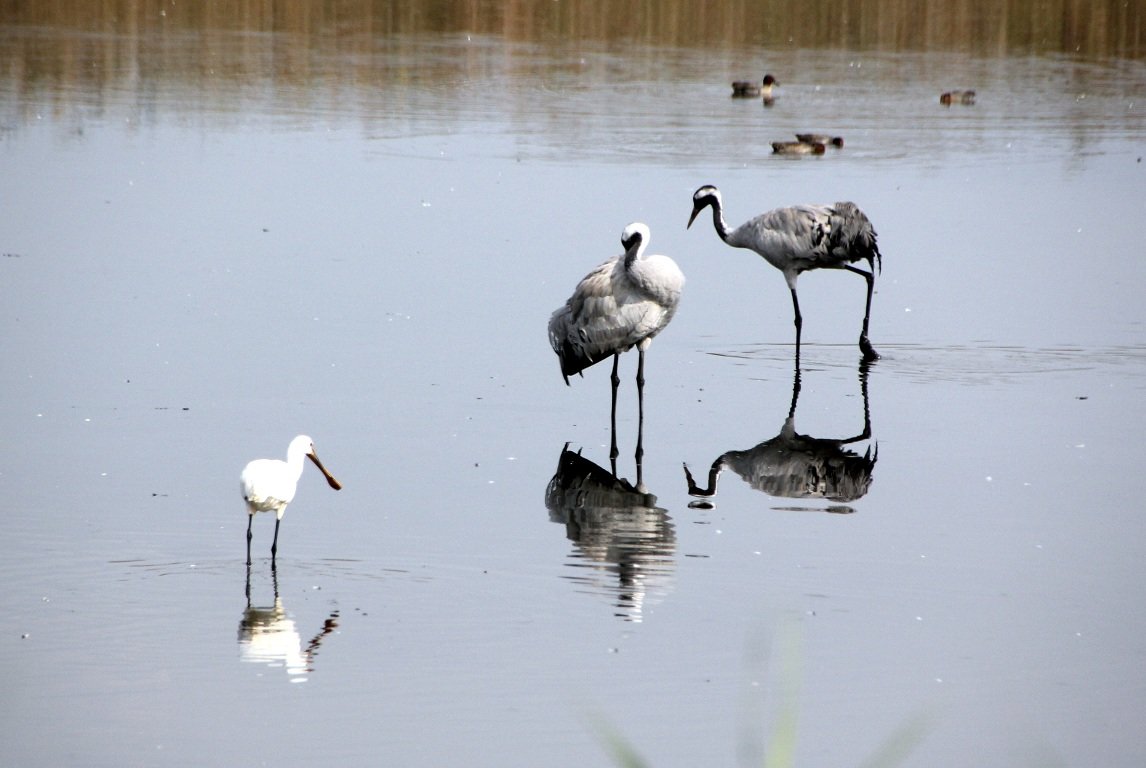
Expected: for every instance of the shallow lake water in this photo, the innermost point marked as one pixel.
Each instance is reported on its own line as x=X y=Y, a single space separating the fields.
x=218 y=238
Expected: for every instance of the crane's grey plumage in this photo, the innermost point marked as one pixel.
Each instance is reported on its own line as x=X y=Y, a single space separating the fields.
x=621 y=304
x=801 y=238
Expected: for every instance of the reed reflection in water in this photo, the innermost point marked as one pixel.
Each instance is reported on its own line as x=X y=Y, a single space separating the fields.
x=795 y=466
x=1018 y=27
x=373 y=56
x=560 y=76
x=618 y=532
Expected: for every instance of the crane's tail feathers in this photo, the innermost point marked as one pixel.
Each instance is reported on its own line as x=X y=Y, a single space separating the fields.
x=567 y=375
x=573 y=361
x=866 y=248
x=852 y=236
x=874 y=257
x=878 y=266
x=870 y=245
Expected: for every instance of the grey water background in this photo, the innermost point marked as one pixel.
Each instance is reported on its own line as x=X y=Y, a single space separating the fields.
x=220 y=232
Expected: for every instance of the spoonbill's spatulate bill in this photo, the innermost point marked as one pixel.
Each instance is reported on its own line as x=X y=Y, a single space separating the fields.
x=802 y=238
x=270 y=484
x=623 y=303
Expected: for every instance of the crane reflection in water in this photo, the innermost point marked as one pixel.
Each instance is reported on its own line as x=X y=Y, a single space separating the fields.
x=795 y=466
x=267 y=635
x=623 y=543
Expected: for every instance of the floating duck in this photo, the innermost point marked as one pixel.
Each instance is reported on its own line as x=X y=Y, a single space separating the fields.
x=746 y=89
x=797 y=148
x=820 y=138
x=957 y=97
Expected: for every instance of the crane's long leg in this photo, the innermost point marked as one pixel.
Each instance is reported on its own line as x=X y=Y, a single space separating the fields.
x=250 y=519
x=795 y=390
x=863 y=374
x=799 y=321
x=275 y=543
x=640 y=406
x=868 y=350
x=613 y=452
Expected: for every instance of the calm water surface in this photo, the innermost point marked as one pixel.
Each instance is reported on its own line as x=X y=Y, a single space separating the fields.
x=200 y=261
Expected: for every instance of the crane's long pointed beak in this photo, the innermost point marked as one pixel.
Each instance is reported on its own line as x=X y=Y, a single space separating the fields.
x=329 y=477
x=695 y=210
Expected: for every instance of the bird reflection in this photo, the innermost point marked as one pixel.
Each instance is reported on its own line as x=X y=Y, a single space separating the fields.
x=617 y=530
x=797 y=466
x=267 y=635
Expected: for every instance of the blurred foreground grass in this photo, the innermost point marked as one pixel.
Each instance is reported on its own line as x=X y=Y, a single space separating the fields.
x=779 y=750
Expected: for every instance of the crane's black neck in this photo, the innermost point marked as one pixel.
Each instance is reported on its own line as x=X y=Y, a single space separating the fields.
x=718 y=219
x=633 y=252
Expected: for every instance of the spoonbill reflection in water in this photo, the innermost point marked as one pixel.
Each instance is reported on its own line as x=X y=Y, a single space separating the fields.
x=270 y=484
x=623 y=303
x=267 y=635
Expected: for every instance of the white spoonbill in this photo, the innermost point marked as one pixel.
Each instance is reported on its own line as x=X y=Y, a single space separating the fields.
x=623 y=303
x=800 y=238
x=270 y=484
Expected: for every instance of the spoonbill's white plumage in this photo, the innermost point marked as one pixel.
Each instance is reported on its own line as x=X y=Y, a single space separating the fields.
x=801 y=238
x=621 y=304
x=270 y=484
